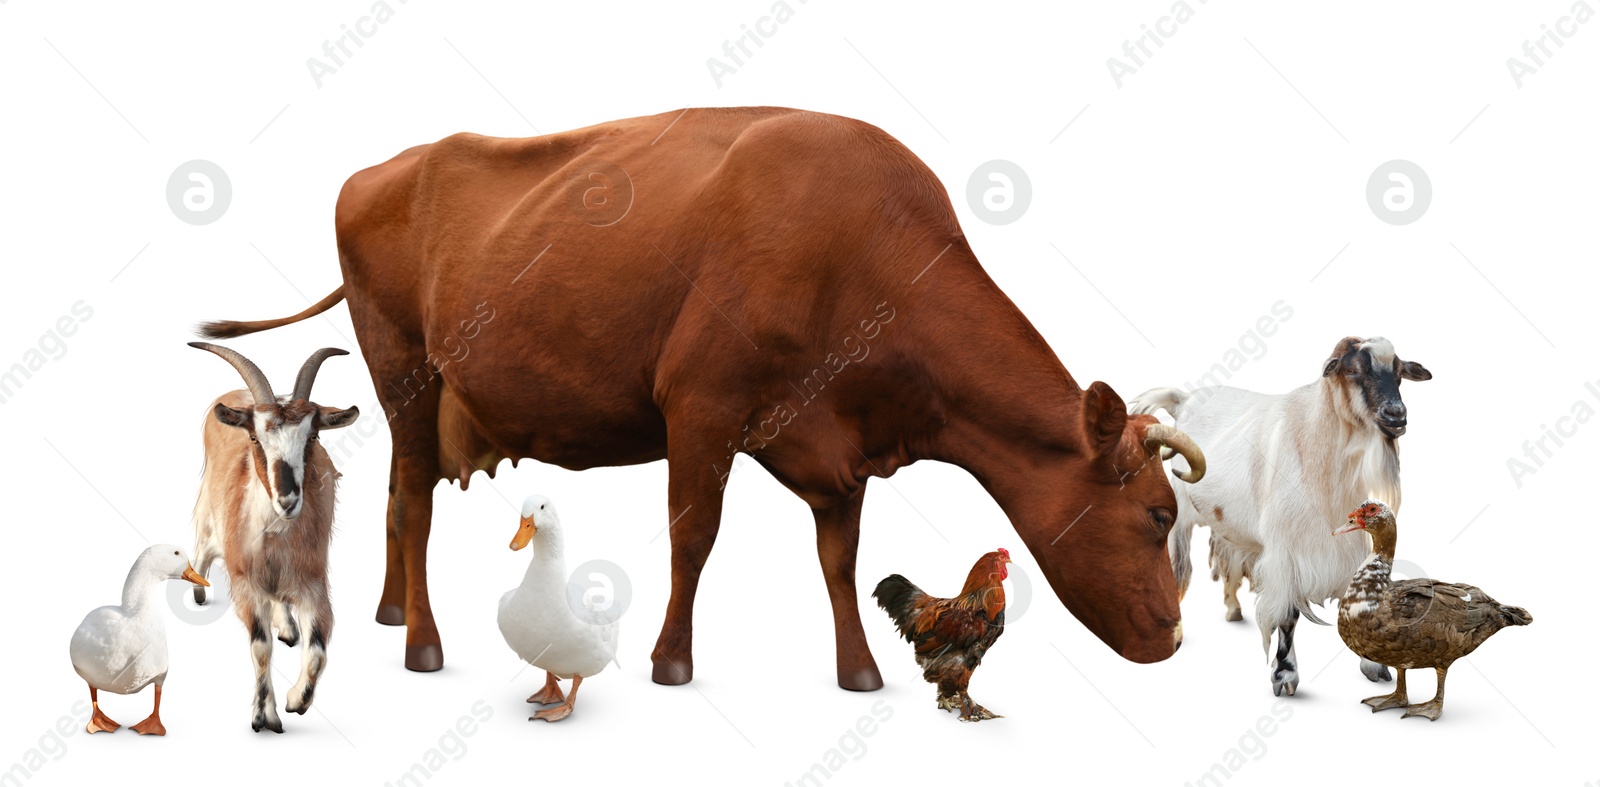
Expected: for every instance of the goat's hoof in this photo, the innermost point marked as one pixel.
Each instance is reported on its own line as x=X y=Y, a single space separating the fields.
x=671 y=673
x=1285 y=684
x=425 y=658
x=200 y=596
x=300 y=705
x=262 y=722
x=1375 y=672
x=391 y=614
x=1234 y=615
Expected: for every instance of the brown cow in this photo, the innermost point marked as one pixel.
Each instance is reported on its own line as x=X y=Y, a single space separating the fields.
x=785 y=284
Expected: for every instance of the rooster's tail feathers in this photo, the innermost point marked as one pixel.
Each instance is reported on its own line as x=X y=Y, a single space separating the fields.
x=897 y=595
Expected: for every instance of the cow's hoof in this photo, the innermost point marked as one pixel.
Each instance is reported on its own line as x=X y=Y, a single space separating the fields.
x=424 y=658
x=1234 y=615
x=864 y=679
x=671 y=673
x=391 y=614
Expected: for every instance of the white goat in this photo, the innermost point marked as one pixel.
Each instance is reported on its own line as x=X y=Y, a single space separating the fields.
x=266 y=508
x=1283 y=470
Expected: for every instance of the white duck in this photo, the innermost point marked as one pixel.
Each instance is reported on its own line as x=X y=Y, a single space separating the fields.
x=123 y=648
x=541 y=625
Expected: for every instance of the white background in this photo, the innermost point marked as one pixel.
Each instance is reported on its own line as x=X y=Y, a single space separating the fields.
x=1219 y=178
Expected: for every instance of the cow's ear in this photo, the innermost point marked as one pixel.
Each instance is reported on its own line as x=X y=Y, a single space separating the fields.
x=1105 y=417
x=1411 y=370
x=231 y=417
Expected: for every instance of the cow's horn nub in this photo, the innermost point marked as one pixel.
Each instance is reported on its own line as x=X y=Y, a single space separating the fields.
x=260 y=389
x=1159 y=436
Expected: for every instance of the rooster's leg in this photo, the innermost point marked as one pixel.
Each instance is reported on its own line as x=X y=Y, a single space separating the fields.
x=1395 y=700
x=1431 y=709
x=972 y=711
x=838 y=532
x=550 y=694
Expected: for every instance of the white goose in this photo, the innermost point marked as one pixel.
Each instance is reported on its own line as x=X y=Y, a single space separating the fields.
x=123 y=648
x=541 y=625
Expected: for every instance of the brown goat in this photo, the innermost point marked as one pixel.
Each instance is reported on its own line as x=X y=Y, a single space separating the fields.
x=266 y=505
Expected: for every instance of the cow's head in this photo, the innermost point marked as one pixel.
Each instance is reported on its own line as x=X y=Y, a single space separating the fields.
x=281 y=430
x=1101 y=541
x=1365 y=377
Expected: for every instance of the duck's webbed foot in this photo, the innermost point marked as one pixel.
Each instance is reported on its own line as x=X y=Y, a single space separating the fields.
x=100 y=722
x=550 y=694
x=1429 y=710
x=1387 y=701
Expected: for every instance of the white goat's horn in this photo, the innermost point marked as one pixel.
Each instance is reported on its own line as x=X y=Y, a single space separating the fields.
x=1161 y=436
x=308 y=371
x=260 y=389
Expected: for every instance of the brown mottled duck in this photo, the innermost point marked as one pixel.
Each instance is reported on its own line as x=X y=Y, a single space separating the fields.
x=1415 y=623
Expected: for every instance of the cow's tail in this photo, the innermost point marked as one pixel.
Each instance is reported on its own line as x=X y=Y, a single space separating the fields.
x=227 y=329
x=1147 y=403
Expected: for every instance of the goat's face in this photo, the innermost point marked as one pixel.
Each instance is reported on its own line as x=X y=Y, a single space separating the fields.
x=1368 y=373
x=281 y=437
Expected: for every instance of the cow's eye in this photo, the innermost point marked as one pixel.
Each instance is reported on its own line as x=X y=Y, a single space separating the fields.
x=1161 y=518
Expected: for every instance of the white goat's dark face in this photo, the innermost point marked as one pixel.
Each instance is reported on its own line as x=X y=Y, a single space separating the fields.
x=1371 y=373
x=281 y=437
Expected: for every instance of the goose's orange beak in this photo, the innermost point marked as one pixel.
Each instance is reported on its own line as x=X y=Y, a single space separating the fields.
x=524 y=533
x=194 y=576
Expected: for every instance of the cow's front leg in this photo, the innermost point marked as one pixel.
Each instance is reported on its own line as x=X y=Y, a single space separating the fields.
x=316 y=612
x=694 y=510
x=838 y=532
x=258 y=620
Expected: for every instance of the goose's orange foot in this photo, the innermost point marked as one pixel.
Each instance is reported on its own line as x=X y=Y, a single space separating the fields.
x=1387 y=701
x=100 y=722
x=150 y=726
x=557 y=713
x=1429 y=710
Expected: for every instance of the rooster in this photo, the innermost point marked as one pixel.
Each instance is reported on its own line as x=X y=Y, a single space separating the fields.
x=951 y=635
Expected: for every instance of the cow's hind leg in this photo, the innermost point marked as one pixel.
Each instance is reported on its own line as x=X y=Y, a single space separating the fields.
x=392 y=604
x=414 y=502
x=838 y=533
x=694 y=511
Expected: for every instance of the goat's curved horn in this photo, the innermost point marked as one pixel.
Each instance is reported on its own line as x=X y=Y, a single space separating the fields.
x=1164 y=439
x=308 y=371
x=260 y=389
